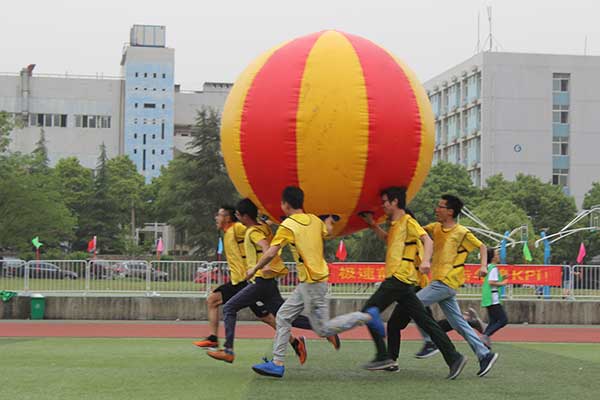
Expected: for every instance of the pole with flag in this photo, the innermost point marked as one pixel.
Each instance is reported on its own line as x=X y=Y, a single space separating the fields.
x=92 y=246
x=547 y=248
x=37 y=244
x=341 y=252
x=526 y=252
x=503 y=248
x=581 y=254
x=159 y=248
x=219 y=249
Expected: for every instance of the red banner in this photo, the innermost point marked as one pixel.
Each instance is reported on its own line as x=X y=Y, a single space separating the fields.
x=546 y=275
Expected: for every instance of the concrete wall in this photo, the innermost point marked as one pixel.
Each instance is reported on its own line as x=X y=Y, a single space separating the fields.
x=185 y=308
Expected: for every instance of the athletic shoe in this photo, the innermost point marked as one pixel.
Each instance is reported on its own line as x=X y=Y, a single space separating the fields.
x=375 y=322
x=457 y=367
x=393 y=368
x=299 y=346
x=429 y=349
x=223 y=355
x=268 y=368
x=335 y=341
x=378 y=365
x=486 y=363
x=487 y=341
x=210 y=343
x=475 y=321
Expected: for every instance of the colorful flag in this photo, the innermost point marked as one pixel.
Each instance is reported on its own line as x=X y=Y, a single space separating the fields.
x=527 y=253
x=159 y=246
x=92 y=245
x=220 y=246
x=581 y=254
x=36 y=242
x=341 y=252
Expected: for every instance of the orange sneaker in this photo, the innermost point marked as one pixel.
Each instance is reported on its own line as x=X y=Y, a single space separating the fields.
x=335 y=341
x=207 y=343
x=299 y=346
x=223 y=355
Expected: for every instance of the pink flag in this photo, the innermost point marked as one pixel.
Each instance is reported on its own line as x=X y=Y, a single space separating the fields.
x=341 y=252
x=159 y=246
x=581 y=254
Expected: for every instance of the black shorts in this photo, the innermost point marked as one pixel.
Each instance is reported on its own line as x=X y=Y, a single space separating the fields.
x=228 y=290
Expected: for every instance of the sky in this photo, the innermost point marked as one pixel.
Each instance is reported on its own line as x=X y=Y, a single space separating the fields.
x=215 y=40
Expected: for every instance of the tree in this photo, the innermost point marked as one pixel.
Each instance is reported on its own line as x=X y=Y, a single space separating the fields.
x=194 y=186
x=6 y=127
x=443 y=178
x=125 y=186
x=40 y=154
x=101 y=215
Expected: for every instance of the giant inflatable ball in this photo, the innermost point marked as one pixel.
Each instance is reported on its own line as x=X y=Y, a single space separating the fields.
x=334 y=114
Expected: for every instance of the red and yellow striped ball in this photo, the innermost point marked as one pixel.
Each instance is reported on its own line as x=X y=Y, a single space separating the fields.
x=333 y=113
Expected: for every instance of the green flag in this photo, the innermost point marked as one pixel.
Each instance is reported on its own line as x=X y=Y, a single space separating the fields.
x=36 y=242
x=527 y=253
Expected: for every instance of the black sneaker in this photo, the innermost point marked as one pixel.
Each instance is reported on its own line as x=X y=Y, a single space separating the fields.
x=429 y=349
x=486 y=363
x=457 y=367
x=377 y=365
x=393 y=368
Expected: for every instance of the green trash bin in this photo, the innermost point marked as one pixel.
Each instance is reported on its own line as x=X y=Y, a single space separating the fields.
x=38 y=306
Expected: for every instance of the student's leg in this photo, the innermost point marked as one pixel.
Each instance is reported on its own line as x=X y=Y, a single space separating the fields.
x=247 y=297
x=290 y=309
x=498 y=319
x=398 y=321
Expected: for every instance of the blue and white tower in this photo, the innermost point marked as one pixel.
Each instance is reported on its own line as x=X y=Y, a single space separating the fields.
x=148 y=123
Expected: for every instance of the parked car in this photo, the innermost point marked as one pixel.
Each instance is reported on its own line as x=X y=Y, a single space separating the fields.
x=45 y=270
x=137 y=269
x=8 y=266
x=104 y=269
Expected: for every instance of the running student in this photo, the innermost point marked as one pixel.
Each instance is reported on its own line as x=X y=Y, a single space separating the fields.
x=235 y=253
x=405 y=268
x=452 y=243
x=490 y=298
x=264 y=289
x=304 y=233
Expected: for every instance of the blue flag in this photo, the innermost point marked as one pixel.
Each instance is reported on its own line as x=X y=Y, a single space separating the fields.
x=220 y=246
x=547 y=249
x=503 y=248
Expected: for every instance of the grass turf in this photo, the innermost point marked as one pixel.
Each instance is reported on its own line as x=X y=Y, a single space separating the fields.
x=171 y=368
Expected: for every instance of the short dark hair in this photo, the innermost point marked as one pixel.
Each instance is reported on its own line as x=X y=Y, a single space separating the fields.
x=230 y=210
x=247 y=207
x=453 y=203
x=491 y=252
x=395 y=193
x=294 y=196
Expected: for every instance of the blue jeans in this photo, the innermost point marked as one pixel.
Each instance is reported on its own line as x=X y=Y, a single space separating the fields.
x=445 y=296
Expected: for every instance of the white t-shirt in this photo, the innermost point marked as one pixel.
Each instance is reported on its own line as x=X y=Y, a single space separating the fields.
x=493 y=276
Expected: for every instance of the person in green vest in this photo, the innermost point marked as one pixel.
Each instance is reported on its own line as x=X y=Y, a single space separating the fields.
x=490 y=298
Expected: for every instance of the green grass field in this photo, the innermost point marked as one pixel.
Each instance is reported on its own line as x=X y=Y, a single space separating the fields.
x=173 y=369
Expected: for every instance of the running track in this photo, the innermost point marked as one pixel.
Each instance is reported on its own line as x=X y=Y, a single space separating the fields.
x=190 y=330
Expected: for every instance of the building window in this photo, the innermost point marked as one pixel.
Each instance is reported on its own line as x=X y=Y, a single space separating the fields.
x=560 y=114
x=92 y=121
x=560 y=146
x=135 y=135
x=163 y=106
x=154 y=75
x=145 y=74
x=164 y=76
x=135 y=105
x=560 y=177
x=85 y=121
x=162 y=130
x=149 y=105
x=134 y=151
x=144 y=159
x=560 y=82
x=153 y=136
x=162 y=152
x=152 y=166
x=135 y=121
x=144 y=139
x=78 y=119
x=136 y=74
x=153 y=151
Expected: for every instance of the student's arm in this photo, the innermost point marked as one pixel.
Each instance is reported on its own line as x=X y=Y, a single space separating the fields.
x=497 y=283
x=268 y=255
x=368 y=218
x=483 y=259
x=425 y=266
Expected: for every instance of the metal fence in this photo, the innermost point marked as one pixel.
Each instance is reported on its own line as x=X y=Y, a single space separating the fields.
x=199 y=278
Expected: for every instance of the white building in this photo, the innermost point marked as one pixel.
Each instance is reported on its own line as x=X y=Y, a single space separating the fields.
x=142 y=113
x=511 y=113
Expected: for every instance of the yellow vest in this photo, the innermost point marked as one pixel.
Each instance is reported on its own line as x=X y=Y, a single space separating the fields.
x=254 y=252
x=449 y=256
x=423 y=279
x=401 y=252
x=308 y=246
x=233 y=244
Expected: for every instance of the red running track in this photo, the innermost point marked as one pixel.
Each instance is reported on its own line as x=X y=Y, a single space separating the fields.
x=511 y=333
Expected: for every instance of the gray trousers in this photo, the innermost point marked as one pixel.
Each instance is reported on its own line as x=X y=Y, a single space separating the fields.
x=309 y=299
